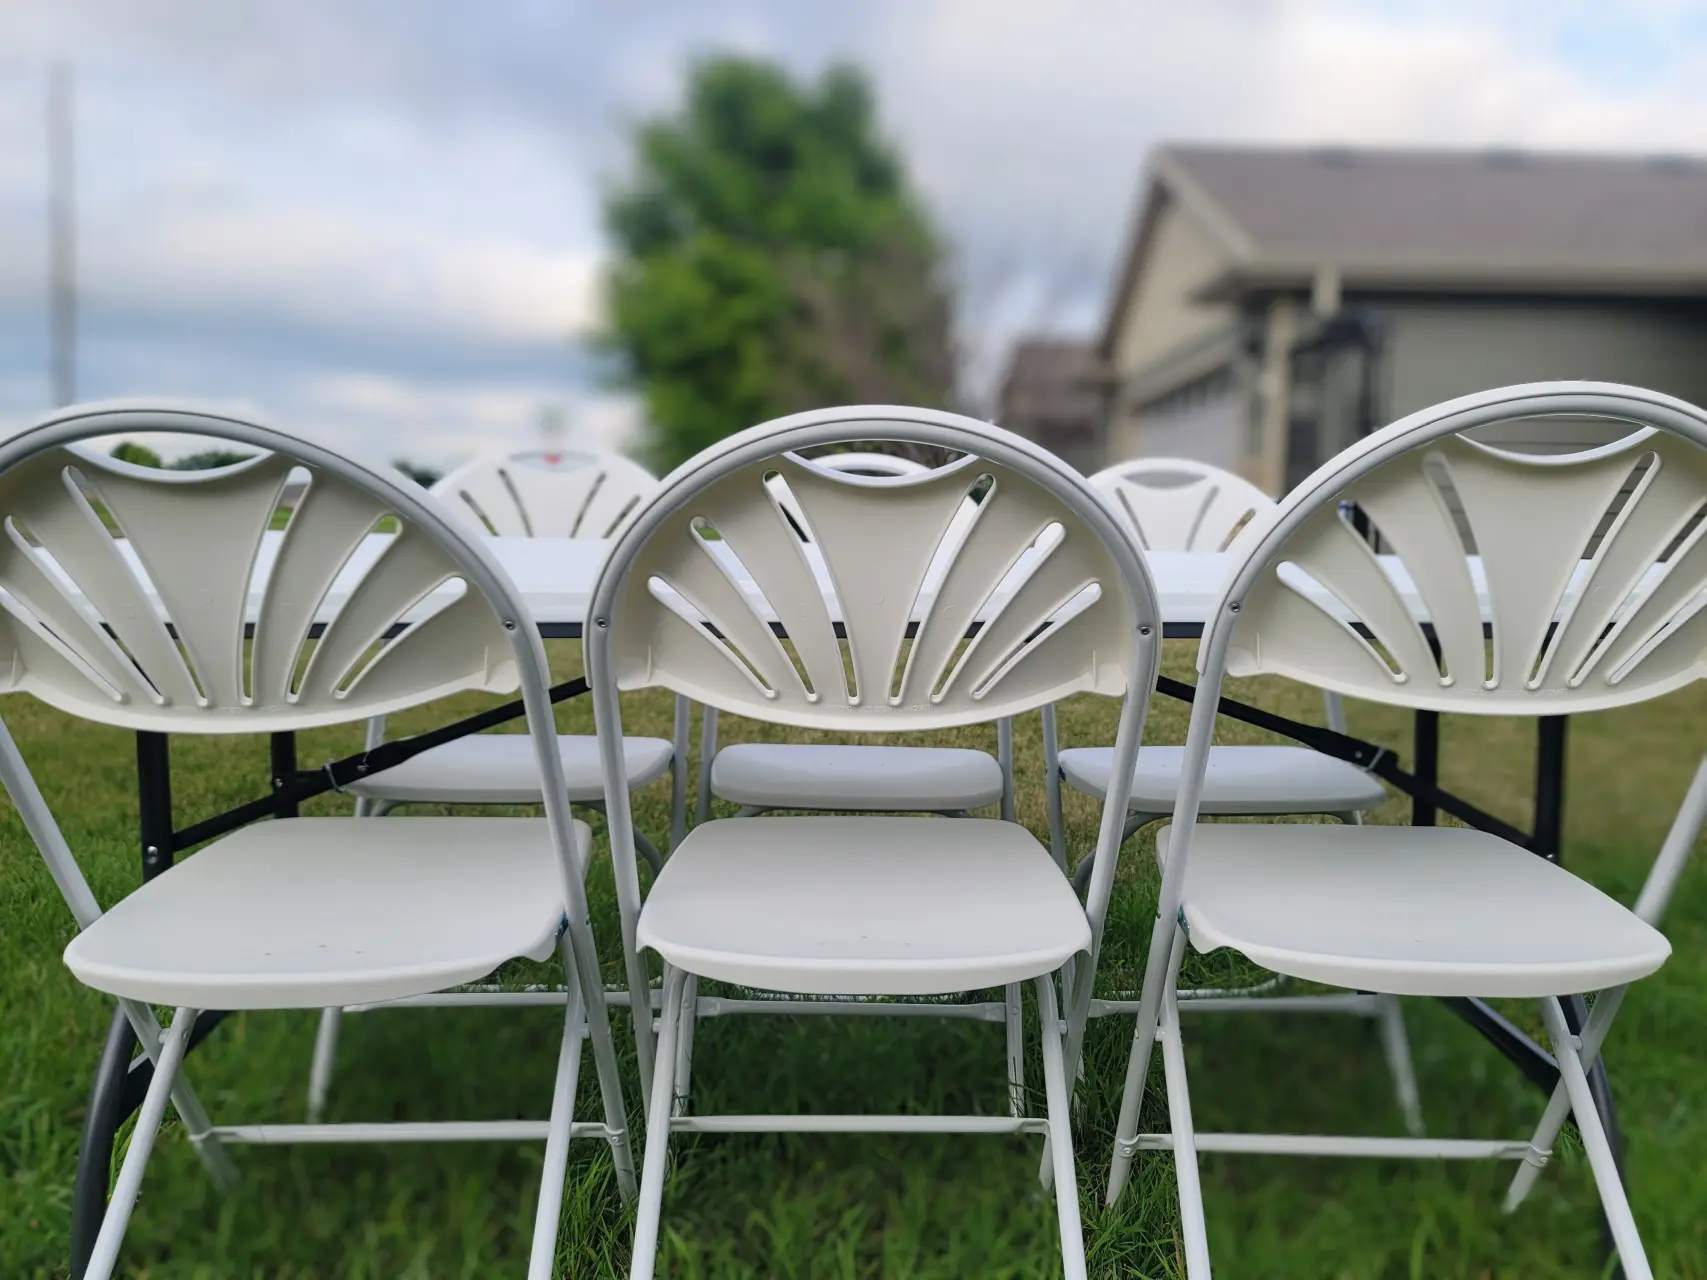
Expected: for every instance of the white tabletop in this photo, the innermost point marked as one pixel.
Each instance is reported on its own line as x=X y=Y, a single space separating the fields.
x=556 y=578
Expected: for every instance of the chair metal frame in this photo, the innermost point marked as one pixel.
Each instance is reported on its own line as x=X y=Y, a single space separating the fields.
x=1208 y=509
x=614 y=660
x=193 y=637
x=1267 y=621
x=528 y=494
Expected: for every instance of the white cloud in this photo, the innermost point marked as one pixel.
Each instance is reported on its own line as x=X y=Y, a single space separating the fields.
x=441 y=424
x=345 y=271
x=364 y=215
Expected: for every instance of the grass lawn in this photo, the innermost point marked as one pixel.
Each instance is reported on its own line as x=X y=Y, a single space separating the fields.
x=870 y=1206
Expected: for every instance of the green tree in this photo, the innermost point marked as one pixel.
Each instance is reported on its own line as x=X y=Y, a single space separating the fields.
x=137 y=454
x=209 y=459
x=772 y=257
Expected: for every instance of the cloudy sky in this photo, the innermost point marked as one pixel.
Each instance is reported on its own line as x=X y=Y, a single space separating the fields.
x=383 y=218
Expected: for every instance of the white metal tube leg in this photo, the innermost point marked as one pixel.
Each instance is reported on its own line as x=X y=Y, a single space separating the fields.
x=148 y=1119
x=1600 y=1158
x=550 y=1210
x=1060 y=1133
x=1559 y=1104
x=325 y=1057
x=1052 y=787
x=1192 y=1226
x=214 y=1157
x=1396 y=1047
x=707 y=751
x=1005 y=757
x=658 y=1129
x=580 y=963
x=684 y=1046
x=680 y=741
x=1013 y=1010
x=1167 y=933
x=1674 y=853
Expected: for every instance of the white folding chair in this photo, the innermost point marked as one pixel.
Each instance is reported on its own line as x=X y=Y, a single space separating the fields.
x=530 y=494
x=1039 y=594
x=855 y=776
x=1592 y=566
x=1178 y=504
x=124 y=594
x=534 y=495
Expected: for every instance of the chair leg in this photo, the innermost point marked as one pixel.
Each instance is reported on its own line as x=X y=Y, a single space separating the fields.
x=1559 y=1104
x=1052 y=788
x=581 y=967
x=1060 y=1133
x=658 y=1129
x=1192 y=1226
x=1613 y=1201
x=684 y=1046
x=680 y=742
x=550 y=1211
x=1005 y=757
x=707 y=750
x=1016 y=1048
x=129 y=1181
x=1396 y=1046
x=212 y=1152
x=1166 y=934
x=325 y=1058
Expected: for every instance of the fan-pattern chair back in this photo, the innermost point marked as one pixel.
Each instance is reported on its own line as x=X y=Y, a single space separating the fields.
x=1177 y=504
x=899 y=611
x=548 y=495
x=1592 y=565
x=164 y=600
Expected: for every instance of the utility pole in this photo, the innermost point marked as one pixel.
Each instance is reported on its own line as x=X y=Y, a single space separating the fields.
x=62 y=236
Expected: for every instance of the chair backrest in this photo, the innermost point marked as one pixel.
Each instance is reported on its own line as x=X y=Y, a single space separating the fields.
x=1177 y=504
x=1519 y=583
x=128 y=596
x=541 y=494
x=1032 y=598
x=1040 y=594
x=127 y=593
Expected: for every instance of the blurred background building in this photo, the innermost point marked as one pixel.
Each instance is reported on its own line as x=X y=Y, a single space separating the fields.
x=1273 y=304
x=1052 y=393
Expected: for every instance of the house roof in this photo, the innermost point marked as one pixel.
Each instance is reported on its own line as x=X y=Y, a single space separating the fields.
x=1051 y=376
x=1484 y=221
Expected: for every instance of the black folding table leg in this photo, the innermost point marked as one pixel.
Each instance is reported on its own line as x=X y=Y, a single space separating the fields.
x=1426 y=743
x=107 y=1111
x=110 y=1097
x=283 y=754
x=1549 y=836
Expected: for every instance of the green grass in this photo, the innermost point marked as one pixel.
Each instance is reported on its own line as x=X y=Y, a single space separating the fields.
x=839 y=1206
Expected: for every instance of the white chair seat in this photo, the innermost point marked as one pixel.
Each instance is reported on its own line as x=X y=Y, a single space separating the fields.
x=836 y=776
x=312 y=912
x=1240 y=780
x=500 y=768
x=1432 y=911
x=866 y=905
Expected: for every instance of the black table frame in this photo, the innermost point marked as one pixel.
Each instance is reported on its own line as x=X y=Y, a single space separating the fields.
x=122 y=1075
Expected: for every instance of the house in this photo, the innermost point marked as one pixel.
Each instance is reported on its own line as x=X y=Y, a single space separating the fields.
x=1052 y=393
x=1274 y=304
